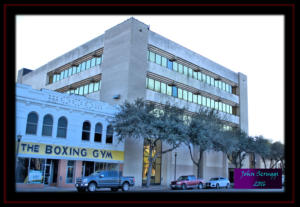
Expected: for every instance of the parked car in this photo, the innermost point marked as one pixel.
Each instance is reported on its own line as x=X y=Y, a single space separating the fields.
x=187 y=181
x=218 y=182
x=104 y=179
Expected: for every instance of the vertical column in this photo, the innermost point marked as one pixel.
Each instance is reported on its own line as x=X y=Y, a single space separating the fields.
x=243 y=95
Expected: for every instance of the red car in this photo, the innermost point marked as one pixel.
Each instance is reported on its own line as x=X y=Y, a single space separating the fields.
x=187 y=181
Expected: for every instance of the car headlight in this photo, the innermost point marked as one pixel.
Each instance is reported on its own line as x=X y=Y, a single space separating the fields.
x=85 y=180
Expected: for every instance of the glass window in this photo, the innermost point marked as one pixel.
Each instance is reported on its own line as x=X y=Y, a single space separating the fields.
x=179 y=93
x=54 y=78
x=88 y=64
x=157 y=59
x=216 y=83
x=164 y=62
x=157 y=86
x=57 y=77
x=224 y=107
x=72 y=91
x=175 y=66
x=212 y=81
x=151 y=84
x=70 y=171
x=199 y=75
x=216 y=105
x=81 y=90
x=195 y=99
x=66 y=74
x=227 y=87
x=203 y=101
x=86 y=128
x=230 y=109
x=199 y=99
x=190 y=96
x=220 y=106
x=76 y=90
x=68 y=92
x=208 y=102
x=91 y=88
x=61 y=75
x=32 y=121
x=109 y=135
x=208 y=79
x=230 y=89
x=47 y=125
x=185 y=70
x=96 y=86
x=190 y=72
x=180 y=68
x=70 y=71
x=83 y=66
x=78 y=68
x=174 y=91
x=220 y=84
x=98 y=132
x=170 y=64
x=195 y=75
x=62 y=127
x=227 y=108
x=203 y=77
x=163 y=88
x=22 y=170
x=74 y=70
x=223 y=86
x=85 y=89
x=185 y=95
x=93 y=62
x=212 y=103
x=98 y=60
x=152 y=56
x=169 y=90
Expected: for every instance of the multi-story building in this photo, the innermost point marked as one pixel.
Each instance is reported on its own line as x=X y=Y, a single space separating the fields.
x=129 y=61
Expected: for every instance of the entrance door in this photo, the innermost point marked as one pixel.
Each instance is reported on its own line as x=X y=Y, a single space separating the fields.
x=47 y=173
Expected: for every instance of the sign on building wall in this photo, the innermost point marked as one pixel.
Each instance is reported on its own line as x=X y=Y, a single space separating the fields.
x=61 y=151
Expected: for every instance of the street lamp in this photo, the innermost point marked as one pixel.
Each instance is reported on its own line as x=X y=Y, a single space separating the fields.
x=175 y=166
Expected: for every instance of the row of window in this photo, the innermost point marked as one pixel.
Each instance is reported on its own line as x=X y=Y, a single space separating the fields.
x=75 y=69
x=86 y=89
x=32 y=123
x=172 y=65
x=176 y=92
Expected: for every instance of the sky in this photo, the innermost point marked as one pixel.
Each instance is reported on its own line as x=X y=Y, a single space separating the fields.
x=250 y=44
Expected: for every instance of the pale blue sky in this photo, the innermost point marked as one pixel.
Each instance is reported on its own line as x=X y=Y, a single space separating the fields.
x=253 y=45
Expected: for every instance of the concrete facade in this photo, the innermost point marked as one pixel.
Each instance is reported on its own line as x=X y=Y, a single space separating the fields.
x=124 y=68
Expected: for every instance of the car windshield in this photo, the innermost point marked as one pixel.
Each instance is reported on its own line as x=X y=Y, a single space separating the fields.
x=214 y=179
x=95 y=173
x=182 y=178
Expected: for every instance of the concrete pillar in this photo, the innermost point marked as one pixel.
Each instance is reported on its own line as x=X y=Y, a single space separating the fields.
x=243 y=95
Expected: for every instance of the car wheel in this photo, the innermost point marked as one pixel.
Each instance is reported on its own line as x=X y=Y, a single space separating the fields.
x=217 y=186
x=183 y=187
x=114 y=189
x=228 y=185
x=92 y=187
x=200 y=186
x=125 y=186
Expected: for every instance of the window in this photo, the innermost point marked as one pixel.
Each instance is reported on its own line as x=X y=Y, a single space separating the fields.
x=78 y=68
x=170 y=64
x=86 y=89
x=212 y=103
x=195 y=75
x=157 y=59
x=185 y=70
x=208 y=79
x=62 y=127
x=216 y=83
x=70 y=171
x=96 y=86
x=179 y=93
x=163 y=88
x=190 y=96
x=175 y=66
x=22 y=170
x=230 y=109
x=98 y=132
x=83 y=66
x=174 y=91
x=98 y=61
x=220 y=84
x=220 y=106
x=152 y=56
x=203 y=101
x=86 y=128
x=195 y=99
x=151 y=84
x=169 y=90
x=208 y=102
x=76 y=90
x=70 y=71
x=93 y=62
x=216 y=105
x=61 y=76
x=66 y=74
x=54 y=78
x=227 y=108
x=190 y=72
x=223 y=86
x=109 y=135
x=224 y=107
x=203 y=77
x=74 y=70
x=91 y=88
x=157 y=86
x=88 y=64
x=180 y=68
x=199 y=99
x=32 y=121
x=184 y=93
x=164 y=62
x=230 y=89
x=212 y=81
x=47 y=125
x=199 y=75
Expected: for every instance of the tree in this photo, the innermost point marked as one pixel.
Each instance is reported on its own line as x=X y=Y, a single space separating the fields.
x=263 y=148
x=276 y=154
x=202 y=129
x=152 y=123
